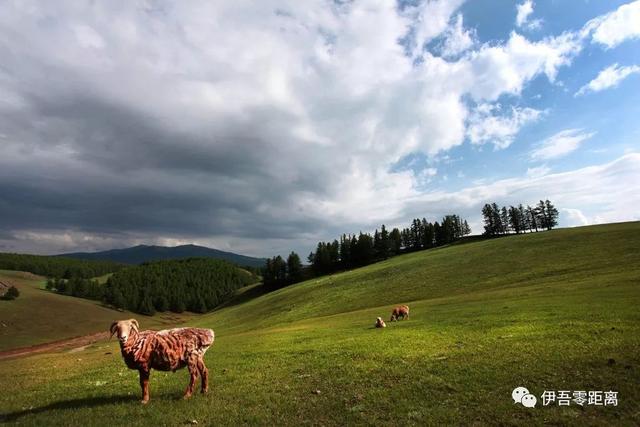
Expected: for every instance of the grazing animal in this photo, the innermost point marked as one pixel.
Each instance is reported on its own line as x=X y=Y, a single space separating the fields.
x=167 y=350
x=401 y=311
x=380 y=323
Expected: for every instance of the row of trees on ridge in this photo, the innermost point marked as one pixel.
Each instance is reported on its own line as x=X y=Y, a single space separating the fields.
x=53 y=266
x=519 y=219
x=362 y=249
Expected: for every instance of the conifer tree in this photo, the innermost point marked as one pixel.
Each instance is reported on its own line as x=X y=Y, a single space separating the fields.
x=294 y=268
x=385 y=243
x=345 y=251
x=532 y=218
x=466 y=229
x=428 y=236
x=438 y=236
x=514 y=219
x=489 y=220
x=504 y=220
x=541 y=215
x=396 y=241
x=497 y=219
x=552 y=214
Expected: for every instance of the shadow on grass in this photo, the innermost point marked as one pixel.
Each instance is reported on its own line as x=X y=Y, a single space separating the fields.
x=88 y=402
x=249 y=294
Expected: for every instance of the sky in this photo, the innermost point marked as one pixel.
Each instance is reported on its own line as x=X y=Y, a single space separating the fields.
x=264 y=127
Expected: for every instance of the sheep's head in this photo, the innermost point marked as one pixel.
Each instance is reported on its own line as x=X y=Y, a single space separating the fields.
x=124 y=329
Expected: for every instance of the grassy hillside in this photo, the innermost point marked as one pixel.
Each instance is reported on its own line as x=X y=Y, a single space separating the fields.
x=549 y=311
x=38 y=316
x=103 y=279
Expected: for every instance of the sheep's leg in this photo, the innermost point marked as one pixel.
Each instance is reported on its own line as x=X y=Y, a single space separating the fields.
x=192 y=364
x=204 y=373
x=144 y=385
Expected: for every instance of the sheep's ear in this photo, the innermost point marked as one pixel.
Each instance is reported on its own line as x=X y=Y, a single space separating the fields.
x=113 y=329
x=134 y=322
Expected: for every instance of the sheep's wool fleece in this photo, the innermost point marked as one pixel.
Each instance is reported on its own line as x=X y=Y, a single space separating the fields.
x=167 y=350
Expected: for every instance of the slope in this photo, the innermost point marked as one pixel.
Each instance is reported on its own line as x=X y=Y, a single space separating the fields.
x=38 y=316
x=597 y=255
x=549 y=311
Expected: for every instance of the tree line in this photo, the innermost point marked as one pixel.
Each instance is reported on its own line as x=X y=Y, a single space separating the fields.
x=519 y=219
x=52 y=266
x=362 y=249
x=77 y=287
x=194 y=284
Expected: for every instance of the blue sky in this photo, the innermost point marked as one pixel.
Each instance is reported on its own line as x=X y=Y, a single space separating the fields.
x=263 y=127
x=611 y=115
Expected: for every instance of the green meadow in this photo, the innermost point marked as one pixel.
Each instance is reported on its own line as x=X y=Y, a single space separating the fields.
x=39 y=316
x=556 y=310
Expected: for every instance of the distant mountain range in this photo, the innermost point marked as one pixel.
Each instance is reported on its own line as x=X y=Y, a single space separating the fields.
x=144 y=253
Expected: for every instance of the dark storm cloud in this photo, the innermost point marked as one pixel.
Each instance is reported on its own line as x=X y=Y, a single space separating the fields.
x=230 y=125
x=133 y=173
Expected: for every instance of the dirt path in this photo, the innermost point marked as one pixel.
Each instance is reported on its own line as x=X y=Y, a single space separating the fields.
x=55 y=345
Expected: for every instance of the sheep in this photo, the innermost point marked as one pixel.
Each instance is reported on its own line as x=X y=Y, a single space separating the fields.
x=380 y=323
x=400 y=311
x=166 y=350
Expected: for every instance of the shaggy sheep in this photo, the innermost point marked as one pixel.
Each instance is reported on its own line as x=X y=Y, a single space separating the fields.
x=166 y=350
x=380 y=323
x=401 y=311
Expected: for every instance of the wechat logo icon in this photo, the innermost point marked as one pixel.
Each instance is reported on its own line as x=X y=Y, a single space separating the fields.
x=521 y=395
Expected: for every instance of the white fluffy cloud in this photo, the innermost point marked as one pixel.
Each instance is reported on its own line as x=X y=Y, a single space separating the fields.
x=507 y=68
x=608 y=78
x=560 y=144
x=432 y=19
x=594 y=191
x=615 y=27
x=487 y=124
x=524 y=10
x=538 y=171
x=457 y=39
x=575 y=217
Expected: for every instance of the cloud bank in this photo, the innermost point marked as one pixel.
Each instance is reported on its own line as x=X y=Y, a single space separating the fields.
x=254 y=127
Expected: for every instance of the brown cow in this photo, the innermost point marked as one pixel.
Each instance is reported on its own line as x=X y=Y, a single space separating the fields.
x=401 y=311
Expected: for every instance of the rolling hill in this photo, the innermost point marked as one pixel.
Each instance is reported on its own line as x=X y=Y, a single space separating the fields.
x=38 y=316
x=144 y=253
x=549 y=311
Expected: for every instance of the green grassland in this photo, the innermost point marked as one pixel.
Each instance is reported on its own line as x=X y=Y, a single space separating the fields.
x=103 y=279
x=549 y=311
x=38 y=316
